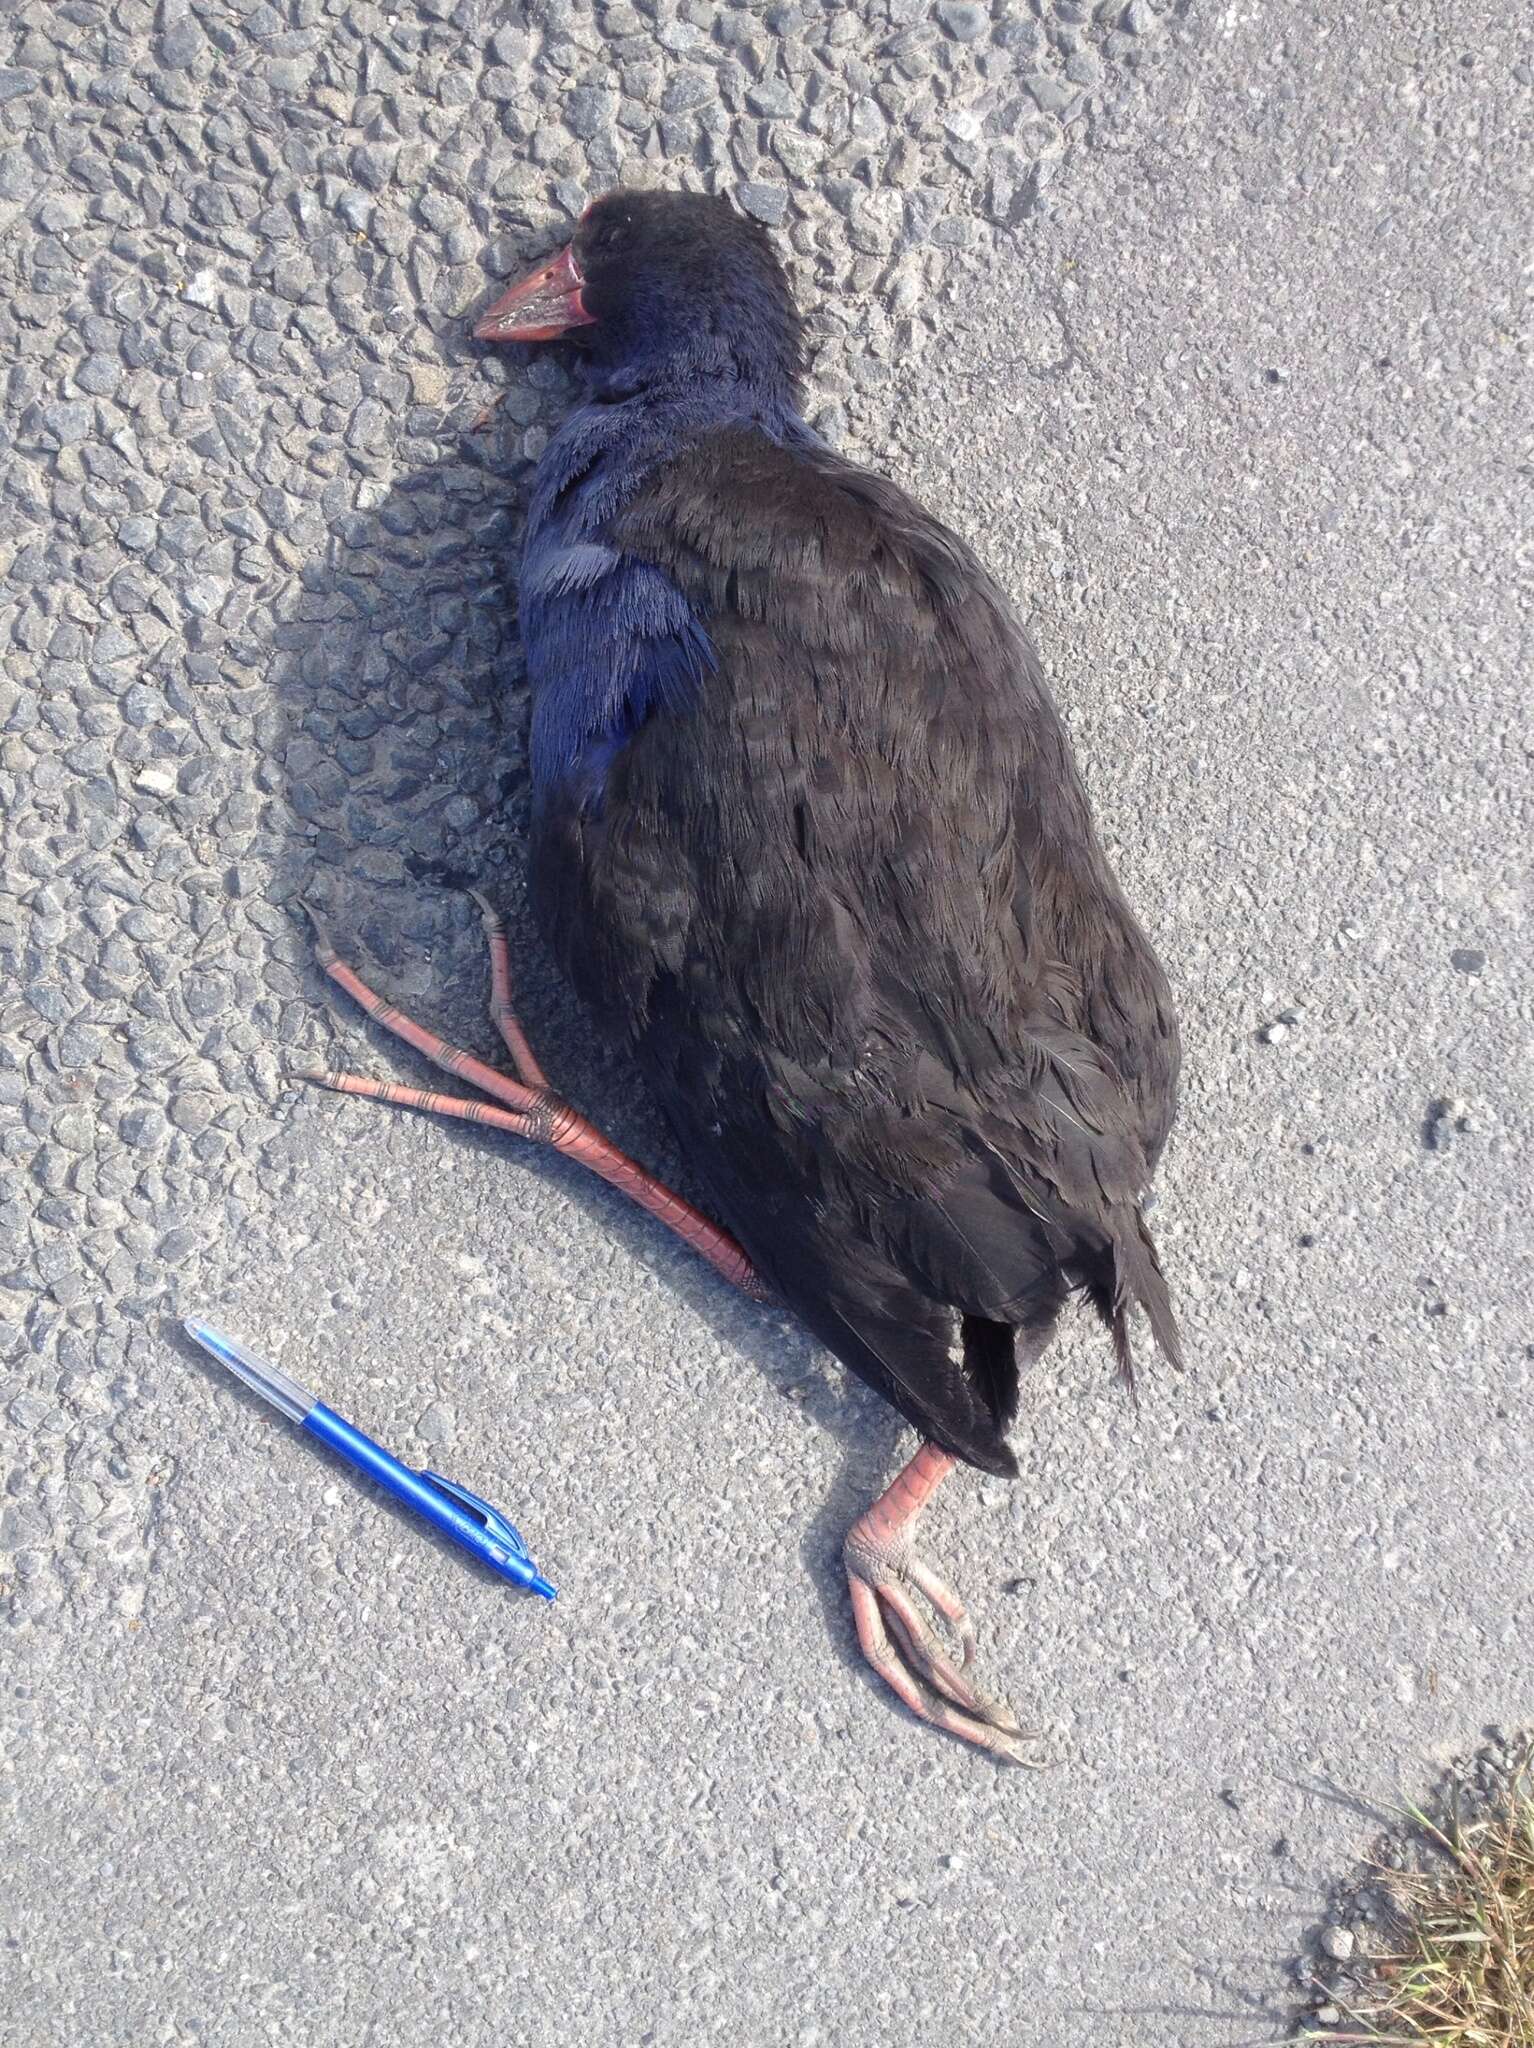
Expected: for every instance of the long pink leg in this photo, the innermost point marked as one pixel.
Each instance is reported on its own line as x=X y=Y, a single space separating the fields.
x=532 y=1109
x=881 y=1562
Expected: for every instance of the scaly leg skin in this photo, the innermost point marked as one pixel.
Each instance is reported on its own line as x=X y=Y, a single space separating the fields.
x=532 y=1109
x=881 y=1561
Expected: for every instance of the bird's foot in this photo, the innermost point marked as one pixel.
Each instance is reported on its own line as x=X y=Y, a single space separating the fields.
x=883 y=1572
x=530 y=1107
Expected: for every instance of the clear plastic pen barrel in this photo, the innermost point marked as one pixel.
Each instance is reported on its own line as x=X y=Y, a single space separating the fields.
x=285 y=1395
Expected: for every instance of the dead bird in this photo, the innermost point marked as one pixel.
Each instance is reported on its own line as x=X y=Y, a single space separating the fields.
x=809 y=838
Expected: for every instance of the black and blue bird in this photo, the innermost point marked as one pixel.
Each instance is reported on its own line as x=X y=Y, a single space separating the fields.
x=809 y=838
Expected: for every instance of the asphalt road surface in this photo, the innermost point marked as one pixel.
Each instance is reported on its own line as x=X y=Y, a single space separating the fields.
x=1209 y=326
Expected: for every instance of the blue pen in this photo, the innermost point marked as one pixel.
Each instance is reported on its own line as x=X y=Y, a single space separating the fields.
x=452 y=1509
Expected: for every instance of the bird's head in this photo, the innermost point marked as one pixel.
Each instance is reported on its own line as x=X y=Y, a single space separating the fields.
x=661 y=287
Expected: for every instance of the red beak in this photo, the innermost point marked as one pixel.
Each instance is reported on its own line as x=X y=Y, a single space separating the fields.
x=543 y=305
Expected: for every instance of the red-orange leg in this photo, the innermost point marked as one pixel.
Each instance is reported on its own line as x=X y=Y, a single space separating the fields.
x=882 y=1568
x=532 y=1109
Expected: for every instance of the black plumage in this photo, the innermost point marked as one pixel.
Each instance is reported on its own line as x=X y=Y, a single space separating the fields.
x=851 y=912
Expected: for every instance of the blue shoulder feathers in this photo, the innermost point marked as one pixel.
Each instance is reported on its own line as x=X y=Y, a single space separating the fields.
x=611 y=641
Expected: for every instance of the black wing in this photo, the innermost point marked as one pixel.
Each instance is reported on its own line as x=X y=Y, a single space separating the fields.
x=852 y=913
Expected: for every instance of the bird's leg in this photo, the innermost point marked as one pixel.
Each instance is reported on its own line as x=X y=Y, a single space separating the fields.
x=531 y=1108
x=882 y=1569
x=512 y=1034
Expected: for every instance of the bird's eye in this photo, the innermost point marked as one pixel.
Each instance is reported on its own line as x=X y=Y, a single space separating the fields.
x=609 y=234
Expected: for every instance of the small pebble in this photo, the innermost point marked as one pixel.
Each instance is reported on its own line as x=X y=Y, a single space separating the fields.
x=774 y=100
x=1447 y=1119
x=963 y=19
x=767 y=203
x=437 y=1424
x=1279 y=1028
x=1338 y=1943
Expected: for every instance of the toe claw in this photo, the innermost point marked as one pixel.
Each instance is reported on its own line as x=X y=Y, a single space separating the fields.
x=925 y=1657
x=490 y=917
x=324 y=950
x=1008 y=1748
x=1000 y=1715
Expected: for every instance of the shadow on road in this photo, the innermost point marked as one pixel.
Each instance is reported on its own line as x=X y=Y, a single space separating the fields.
x=403 y=709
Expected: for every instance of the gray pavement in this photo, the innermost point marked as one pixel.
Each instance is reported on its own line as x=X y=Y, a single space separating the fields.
x=1209 y=324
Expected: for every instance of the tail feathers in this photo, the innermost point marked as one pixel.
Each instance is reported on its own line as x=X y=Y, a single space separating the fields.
x=1138 y=1279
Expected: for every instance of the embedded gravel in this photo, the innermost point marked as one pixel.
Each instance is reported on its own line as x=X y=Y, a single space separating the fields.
x=1209 y=325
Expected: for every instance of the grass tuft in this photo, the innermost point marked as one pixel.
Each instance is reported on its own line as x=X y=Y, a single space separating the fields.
x=1456 y=1966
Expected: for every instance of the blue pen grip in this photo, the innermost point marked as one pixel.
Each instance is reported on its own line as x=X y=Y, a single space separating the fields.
x=416 y=1492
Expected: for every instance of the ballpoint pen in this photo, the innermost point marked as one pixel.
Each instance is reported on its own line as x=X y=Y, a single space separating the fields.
x=450 y=1508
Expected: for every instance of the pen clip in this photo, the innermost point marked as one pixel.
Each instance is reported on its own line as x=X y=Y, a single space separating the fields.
x=495 y=1523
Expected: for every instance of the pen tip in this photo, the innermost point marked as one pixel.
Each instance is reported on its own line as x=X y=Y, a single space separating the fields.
x=543 y=1589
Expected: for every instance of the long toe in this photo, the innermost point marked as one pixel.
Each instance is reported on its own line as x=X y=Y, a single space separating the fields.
x=947 y=1603
x=927 y=1699
x=925 y=1655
